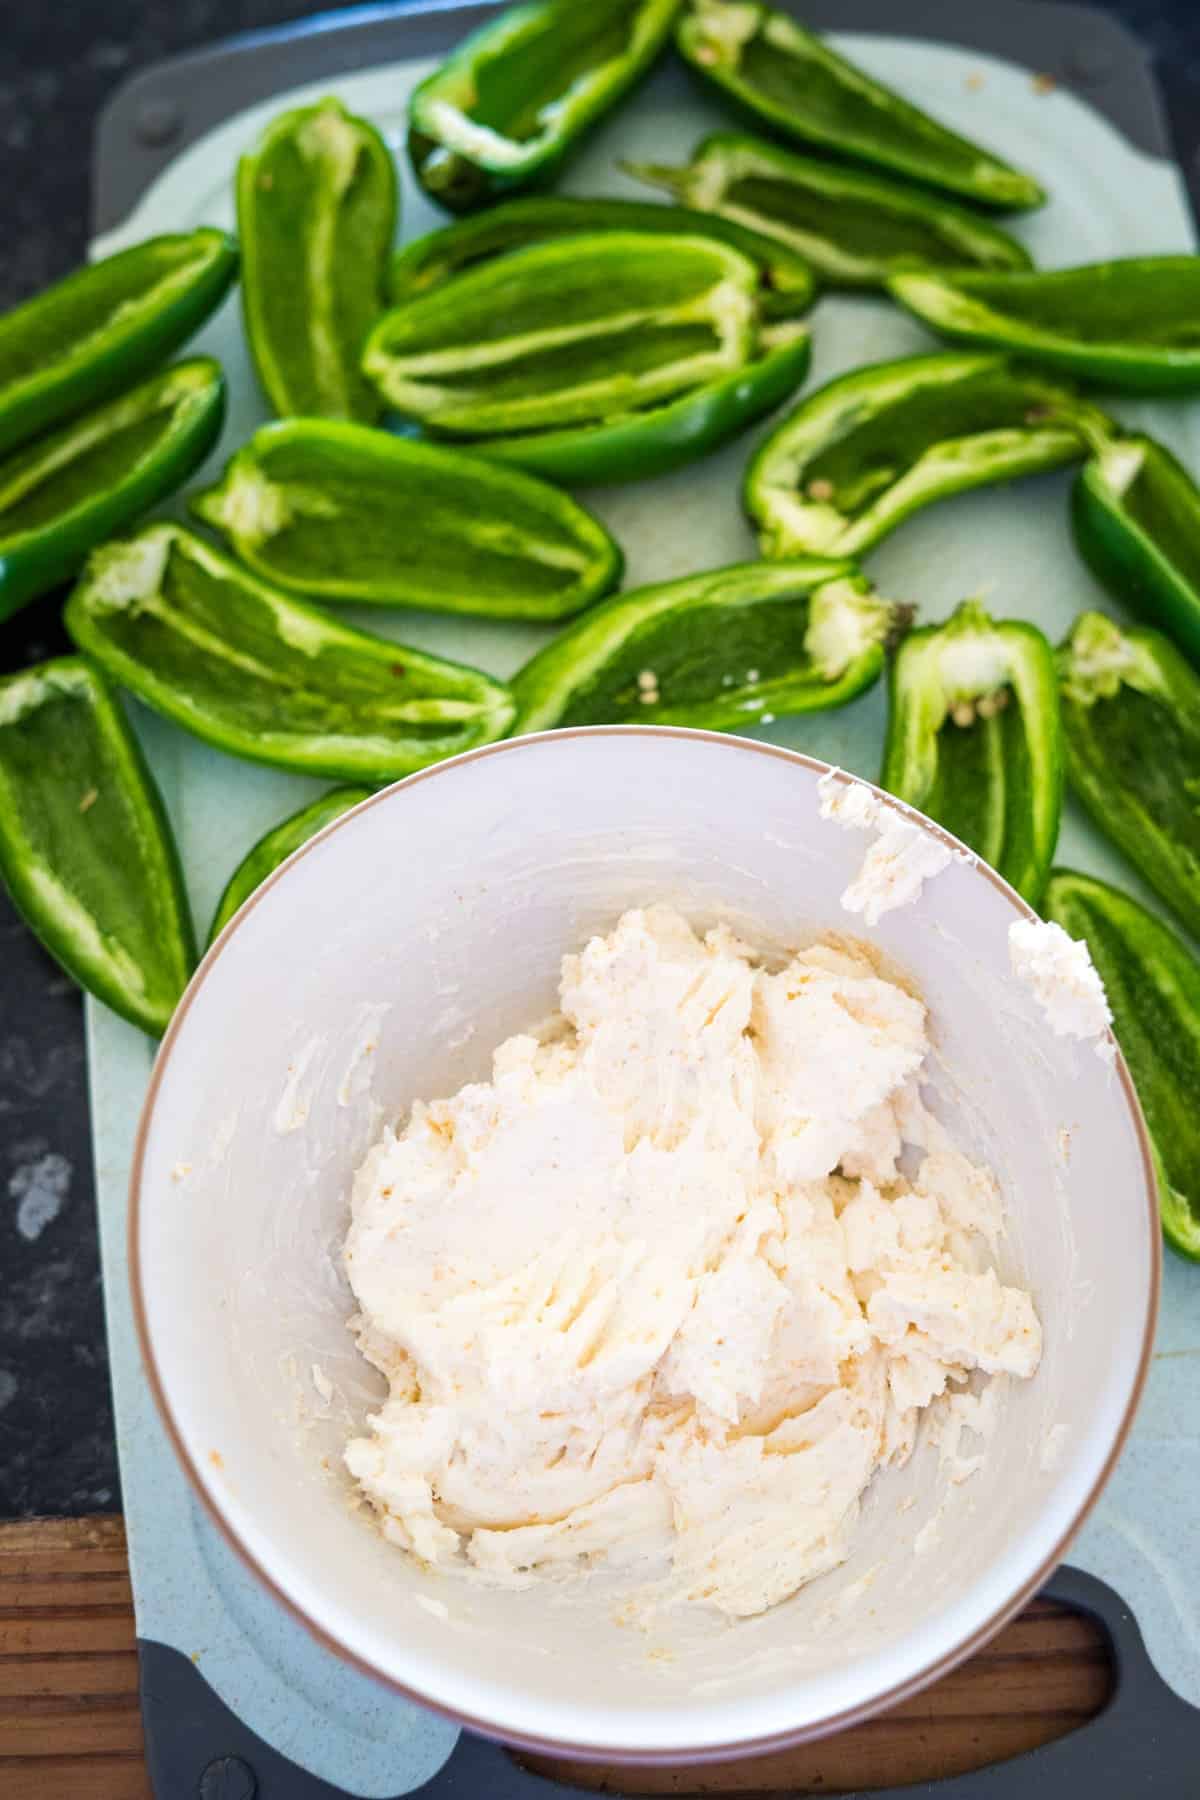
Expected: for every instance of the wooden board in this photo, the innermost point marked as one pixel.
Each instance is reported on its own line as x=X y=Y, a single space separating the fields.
x=70 y=1727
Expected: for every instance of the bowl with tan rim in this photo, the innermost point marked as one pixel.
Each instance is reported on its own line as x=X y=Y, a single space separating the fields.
x=382 y=963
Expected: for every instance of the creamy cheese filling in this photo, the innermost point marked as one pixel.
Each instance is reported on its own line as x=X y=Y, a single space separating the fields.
x=675 y=1282
x=1063 y=979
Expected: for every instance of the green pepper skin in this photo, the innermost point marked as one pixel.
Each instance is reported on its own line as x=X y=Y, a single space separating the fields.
x=86 y=850
x=260 y=675
x=785 y=277
x=861 y=454
x=993 y=775
x=1153 y=987
x=855 y=228
x=795 y=83
x=571 y=332
x=1131 y=733
x=1128 y=325
x=276 y=845
x=1135 y=512
x=661 y=438
x=63 y=494
x=515 y=99
x=316 y=206
x=97 y=331
x=733 y=648
x=345 y=513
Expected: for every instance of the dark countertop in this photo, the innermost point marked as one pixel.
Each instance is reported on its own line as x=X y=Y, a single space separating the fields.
x=59 y=67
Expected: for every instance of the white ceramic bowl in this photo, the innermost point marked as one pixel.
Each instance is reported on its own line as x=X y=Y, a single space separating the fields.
x=383 y=963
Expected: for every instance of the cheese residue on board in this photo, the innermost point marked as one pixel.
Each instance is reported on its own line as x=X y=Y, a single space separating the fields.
x=666 y=1291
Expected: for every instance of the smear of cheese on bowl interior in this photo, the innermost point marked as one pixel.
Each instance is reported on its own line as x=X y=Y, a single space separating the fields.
x=1059 y=971
x=903 y=857
x=662 y=1290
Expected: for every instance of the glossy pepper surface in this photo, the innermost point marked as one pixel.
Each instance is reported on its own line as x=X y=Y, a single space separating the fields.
x=591 y=358
x=568 y=333
x=276 y=845
x=1136 y=517
x=855 y=228
x=99 y=329
x=1133 y=324
x=1131 y=735
x=649 y=442
x=262 y=675
x=85 y=847
x=859 y=455
x=794 y=82
x=1153 y=985
x=69 y=489
x=517 y=96
x=343 y=512
x=316 y=205
x=736 y=647
x=785 y=278
x=973 y=739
